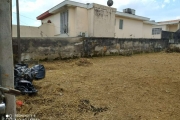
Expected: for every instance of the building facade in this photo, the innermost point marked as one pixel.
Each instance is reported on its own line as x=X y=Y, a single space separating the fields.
x=72 y=19
x=171 y=26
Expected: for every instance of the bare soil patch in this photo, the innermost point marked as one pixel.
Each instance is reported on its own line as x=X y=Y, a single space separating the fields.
x=140 y=87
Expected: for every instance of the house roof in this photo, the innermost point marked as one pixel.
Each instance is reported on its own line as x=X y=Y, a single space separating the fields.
x=169 y=22
x=132 y=16
x=58 y=7
x=44 y=15
x=150 y=22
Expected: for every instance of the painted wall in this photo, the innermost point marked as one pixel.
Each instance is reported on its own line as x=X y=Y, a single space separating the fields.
x=26 y=31
x=173 y=28
x=81 y=21
x=71 y=21
x=147 y=31
x=77 y=22
x=103 y=21
x=55 y=19
x=131 y=28
x=90 y=22
x=45 y=30
x=158 y=36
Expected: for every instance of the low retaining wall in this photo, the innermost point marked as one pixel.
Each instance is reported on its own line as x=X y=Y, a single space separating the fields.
x=61 y=48
x=48 y=48
x=173 y=48
x=111 y=46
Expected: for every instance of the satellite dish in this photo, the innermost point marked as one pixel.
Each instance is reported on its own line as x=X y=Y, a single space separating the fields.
x=109 y=3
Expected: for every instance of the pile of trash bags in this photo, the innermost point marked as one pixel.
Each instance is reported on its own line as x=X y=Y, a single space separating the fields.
x=24 y=76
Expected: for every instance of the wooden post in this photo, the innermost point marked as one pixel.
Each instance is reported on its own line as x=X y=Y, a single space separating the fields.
x=18 y=32
x=6 y=54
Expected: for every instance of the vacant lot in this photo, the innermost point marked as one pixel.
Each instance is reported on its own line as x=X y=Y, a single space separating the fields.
x=140 y=87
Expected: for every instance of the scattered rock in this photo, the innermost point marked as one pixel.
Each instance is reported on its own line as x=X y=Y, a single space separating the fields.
x=83 y=62
x=60 y=94
x=85 y=106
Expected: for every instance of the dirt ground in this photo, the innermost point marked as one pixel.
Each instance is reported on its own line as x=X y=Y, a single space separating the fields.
x=139 y=87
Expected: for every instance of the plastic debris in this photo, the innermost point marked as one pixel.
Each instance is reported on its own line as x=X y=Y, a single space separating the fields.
x=19 y=103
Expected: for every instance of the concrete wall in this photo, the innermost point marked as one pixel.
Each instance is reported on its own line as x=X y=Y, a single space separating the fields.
x=45 y=30
x=172 y=28
x=131 y=28
x=72 y=19
x=26 y=31
x=90 y=22
x=81 y=21
x=48 y=48
x=60 y=48
x=147 y=31
x=104 y=18
x=106 y=46
x=55 y=19
x=77 y=22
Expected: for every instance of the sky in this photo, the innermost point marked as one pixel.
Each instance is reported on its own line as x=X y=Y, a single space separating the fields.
x=158 y=10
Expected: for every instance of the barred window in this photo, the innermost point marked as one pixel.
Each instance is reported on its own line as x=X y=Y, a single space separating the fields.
x=64 y=22
x=156 y=31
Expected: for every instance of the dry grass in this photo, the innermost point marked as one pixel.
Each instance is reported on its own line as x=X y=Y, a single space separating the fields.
x=140 y=87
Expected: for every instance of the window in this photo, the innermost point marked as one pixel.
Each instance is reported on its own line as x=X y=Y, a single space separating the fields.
x=64 y=22
x=120 y=24
x=156 y=31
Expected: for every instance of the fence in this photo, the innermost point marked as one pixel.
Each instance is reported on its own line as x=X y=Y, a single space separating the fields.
x=174 y=37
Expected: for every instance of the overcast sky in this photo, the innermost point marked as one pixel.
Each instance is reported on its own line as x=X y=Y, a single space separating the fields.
x=158 y=10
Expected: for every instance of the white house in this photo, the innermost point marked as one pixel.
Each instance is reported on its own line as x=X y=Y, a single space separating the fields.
x=171 y=26
x=72 y=19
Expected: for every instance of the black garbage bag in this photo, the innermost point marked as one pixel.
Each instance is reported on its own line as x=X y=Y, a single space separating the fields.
x=39 y=71
x=22 y=72
x=21 y=65
x=25 y=87
x=23 y=77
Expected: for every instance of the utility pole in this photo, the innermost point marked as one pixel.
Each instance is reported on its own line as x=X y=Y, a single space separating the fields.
x=6 y=54
x=18 y=32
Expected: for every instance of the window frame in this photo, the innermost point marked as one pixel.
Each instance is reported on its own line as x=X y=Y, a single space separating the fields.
x=64 y=22
x=156 y=31
x=121 y=22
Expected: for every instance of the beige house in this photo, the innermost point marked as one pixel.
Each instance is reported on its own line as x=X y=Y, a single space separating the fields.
x=171 y=26
x=72 y=19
